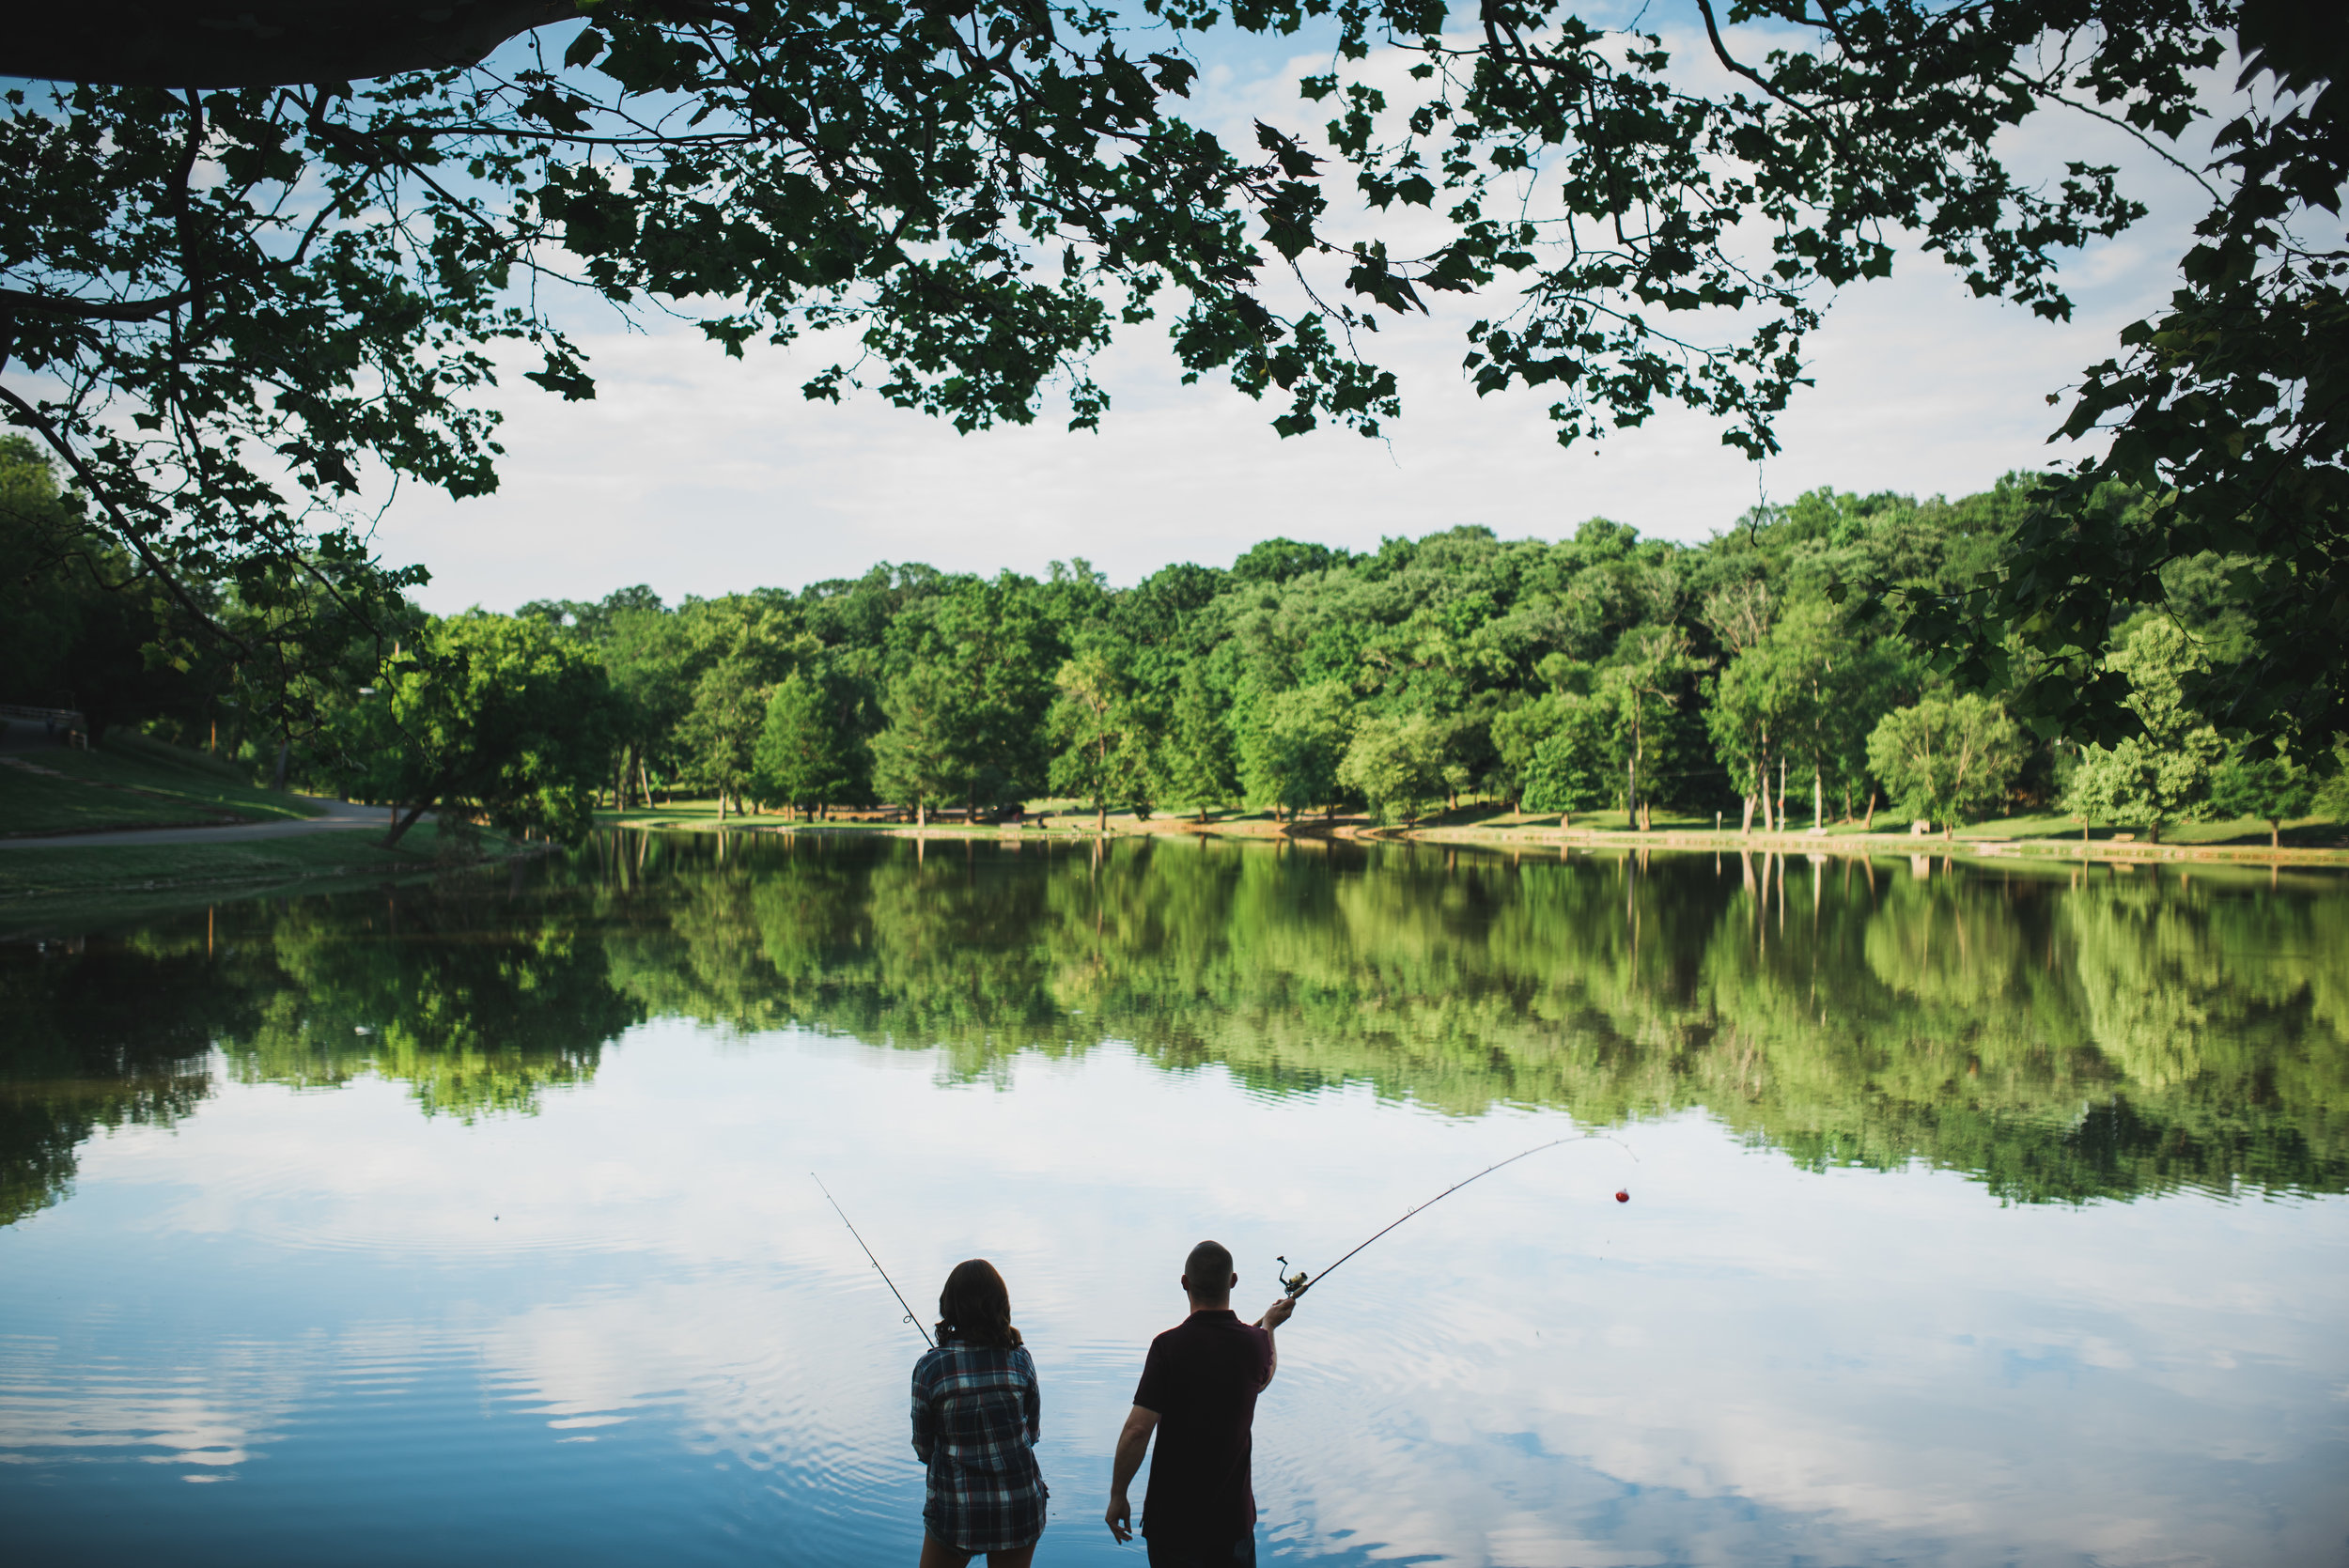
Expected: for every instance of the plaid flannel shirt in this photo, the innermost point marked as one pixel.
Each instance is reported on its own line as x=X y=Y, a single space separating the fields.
x=977 y=1418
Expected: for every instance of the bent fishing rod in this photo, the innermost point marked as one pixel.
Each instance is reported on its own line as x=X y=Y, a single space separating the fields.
x=869 y=1258
x=1296 y=1284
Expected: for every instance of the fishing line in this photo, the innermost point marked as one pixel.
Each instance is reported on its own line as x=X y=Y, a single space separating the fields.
x=876 y=1262
x=1299 y=1283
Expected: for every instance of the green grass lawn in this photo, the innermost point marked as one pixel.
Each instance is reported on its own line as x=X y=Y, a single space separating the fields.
x=1075 y=815
x=701 y=814
x=39 y=887
x=153 y=784
x=2308 y=833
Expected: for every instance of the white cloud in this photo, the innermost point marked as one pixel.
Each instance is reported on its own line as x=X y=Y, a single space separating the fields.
x=1748 y=1355
x=701 y=474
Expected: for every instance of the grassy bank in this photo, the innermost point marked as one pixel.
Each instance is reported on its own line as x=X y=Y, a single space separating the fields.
x=85 y=884
x=131 y=781
x=2309 y=841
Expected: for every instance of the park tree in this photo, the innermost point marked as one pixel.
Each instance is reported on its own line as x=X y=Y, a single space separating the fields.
x=251 y=275
x=720 y=732
x=2265 y=785
x=2162 y=773
x=1395 y=762
x=647 y=658
x=1197 y=767
x=1947 y=759
x=733 y=652
x=1845 y=684
x=83 y=626
x=490 y=713
x=2332 y=789
x=989 y=644
x=1101 y=749
x=39 y=535
x=1802 y=694
x=1572 y=766
x=918 y=759
x=1291 y=743
x=1643 y=685
x=2217 y=420
x=803 y=760
x=1754 y=707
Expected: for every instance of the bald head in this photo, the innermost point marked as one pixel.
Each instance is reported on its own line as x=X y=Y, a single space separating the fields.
x=1208 y=1277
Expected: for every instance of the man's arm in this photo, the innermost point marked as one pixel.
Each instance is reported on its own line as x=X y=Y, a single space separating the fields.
x=1273 y=1317
x=1132 y=1444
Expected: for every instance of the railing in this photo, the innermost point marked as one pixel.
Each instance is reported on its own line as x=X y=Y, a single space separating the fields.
x=55 y=715
x=66 y=725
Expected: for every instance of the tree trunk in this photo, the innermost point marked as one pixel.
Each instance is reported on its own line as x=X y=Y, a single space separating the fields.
x=1781 y=792
x=721 y=802
x=1744 y=822
x=2153 y=834
x=278 y=778
x=1870 y=825
x=1101 y=816
x=1818 y=801
x=399 y=828
x=2276 y=834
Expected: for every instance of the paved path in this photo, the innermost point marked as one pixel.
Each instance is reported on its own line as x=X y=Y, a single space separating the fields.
x=341 y=817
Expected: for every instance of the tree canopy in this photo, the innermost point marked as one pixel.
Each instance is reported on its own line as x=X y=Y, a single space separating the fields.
x=233 y=307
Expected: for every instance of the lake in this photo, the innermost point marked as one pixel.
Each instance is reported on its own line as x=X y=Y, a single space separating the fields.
x=1978 y=1213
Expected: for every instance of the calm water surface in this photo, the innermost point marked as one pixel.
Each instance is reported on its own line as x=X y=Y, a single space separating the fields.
x=1979 y=1215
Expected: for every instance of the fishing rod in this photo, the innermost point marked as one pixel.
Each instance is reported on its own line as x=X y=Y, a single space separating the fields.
x=1296 y=1284
x=869 y=1258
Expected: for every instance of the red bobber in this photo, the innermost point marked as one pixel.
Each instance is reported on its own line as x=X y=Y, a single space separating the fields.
x=1622 y=1195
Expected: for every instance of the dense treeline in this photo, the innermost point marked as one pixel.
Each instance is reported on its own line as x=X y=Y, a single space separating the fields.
x=2106 y=1032
x=1603 y=671
x=1600 y=671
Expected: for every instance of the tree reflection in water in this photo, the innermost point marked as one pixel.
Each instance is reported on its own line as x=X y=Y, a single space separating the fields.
x=2057 y=1035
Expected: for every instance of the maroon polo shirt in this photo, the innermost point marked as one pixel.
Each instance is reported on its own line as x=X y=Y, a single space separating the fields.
x=1202 y=1378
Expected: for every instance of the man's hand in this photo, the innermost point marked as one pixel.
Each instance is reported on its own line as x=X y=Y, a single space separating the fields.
x=1132 y=1443
x=1278 y=1313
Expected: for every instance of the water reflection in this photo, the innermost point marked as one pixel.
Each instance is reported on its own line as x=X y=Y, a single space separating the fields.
x=496 y=1194
x=2058 y=1034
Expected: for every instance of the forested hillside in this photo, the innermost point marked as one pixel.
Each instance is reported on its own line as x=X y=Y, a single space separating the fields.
x=1603 y=670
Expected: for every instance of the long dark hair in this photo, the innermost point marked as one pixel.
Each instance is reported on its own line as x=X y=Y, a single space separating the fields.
x=975 y=1307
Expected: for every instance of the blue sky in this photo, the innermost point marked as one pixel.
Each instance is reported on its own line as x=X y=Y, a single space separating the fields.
x=699 y=474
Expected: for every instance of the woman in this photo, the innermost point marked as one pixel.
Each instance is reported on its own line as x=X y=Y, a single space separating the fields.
x=976 y=1421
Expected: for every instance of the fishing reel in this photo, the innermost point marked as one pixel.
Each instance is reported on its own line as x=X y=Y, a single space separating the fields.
x=1293 y=1284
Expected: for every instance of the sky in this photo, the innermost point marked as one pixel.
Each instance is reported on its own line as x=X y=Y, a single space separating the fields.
x=699 y=475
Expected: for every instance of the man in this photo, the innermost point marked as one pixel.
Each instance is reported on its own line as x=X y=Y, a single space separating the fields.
x=1198 y=1393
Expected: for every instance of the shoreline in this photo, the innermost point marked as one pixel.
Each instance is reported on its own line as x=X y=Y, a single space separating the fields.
x=1522 y=837
x=86 y=884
